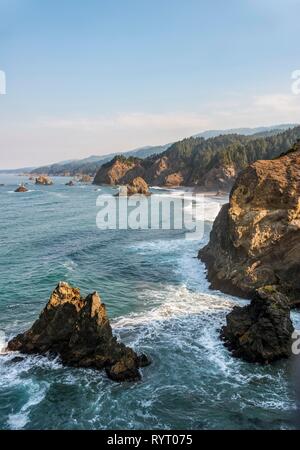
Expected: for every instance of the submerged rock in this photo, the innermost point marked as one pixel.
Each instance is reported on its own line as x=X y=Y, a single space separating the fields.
x=78 y=330
x=262 y=331
x=21 y=188
x=255 y=239
x=44 y=180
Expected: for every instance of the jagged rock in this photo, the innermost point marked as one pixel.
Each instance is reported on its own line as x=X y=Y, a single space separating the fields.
x=21 y=188
x=262 y=331
x=78 y=330
x=255 y=239
x=44 y=180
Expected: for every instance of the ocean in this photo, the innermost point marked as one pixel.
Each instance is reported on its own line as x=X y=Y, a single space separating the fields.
x=159 y=302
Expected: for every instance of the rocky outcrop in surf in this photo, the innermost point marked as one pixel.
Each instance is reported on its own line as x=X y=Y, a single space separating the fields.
x=78 y=330
x=208 y=164
x=21 y=188
x=43 y=180
x=255 y=240
x=262 y=331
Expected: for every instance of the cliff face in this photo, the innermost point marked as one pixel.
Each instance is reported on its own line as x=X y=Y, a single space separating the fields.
x=166 y=171
x=255 y=240
x=78 y=330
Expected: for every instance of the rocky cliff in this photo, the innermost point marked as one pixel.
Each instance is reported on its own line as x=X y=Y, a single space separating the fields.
x=78 y=330
x=255 y=240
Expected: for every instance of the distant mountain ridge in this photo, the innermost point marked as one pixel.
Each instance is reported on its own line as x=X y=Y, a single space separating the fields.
x=90 y=165
x=245 y=131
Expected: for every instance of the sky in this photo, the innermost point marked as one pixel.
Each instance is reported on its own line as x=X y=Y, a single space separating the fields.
x=101 y=76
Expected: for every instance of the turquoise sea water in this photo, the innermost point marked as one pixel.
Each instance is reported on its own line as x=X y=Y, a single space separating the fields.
x=159 y=302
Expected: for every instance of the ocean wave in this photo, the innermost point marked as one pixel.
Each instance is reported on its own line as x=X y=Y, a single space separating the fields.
x=36 y=394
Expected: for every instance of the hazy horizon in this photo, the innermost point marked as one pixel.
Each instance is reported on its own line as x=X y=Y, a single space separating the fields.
x=94 y=78
x=139 y=147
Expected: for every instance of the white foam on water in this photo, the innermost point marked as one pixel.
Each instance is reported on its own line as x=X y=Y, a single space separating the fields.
x=16 y=375
x=70 y=265
x=157 y=188
x=36 y=393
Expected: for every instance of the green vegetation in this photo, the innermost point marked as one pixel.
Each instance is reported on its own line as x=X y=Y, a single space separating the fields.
x=229 y=150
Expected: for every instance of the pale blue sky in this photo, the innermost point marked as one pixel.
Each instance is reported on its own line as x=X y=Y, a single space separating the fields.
x=94 y=76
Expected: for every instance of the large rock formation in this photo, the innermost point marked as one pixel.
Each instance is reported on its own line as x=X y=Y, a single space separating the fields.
x=44 y=180
x=262 y=331
x=255 y=240
x=120 y=170
x=78 y=330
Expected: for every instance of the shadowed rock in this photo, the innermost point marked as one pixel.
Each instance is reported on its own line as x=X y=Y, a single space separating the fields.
x=262 y=331
x=78 y=330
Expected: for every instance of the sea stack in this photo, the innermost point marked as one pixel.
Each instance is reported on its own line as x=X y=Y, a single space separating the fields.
x=43 y=180
x=78 y=330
